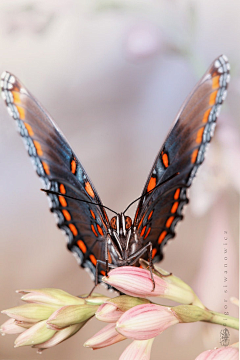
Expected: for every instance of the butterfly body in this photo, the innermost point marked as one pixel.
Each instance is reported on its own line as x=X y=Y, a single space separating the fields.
x=96 y=241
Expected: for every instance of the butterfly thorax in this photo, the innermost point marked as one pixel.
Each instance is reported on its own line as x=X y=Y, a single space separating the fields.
x=122 y=238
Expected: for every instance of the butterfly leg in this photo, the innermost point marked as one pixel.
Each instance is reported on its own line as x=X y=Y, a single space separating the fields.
x=106 y=255
x=161 y=274
x=134 y=258
x=97 y=266
x=96 y=280
x=96 y=276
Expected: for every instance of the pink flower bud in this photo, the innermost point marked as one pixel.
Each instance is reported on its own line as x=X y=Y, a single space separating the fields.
x=146 y=321
x=10 y=327
x=135 y=281
x=105 y=337
x=50 y=296
x=138 y=350
x=224 y=353
x=108 y=312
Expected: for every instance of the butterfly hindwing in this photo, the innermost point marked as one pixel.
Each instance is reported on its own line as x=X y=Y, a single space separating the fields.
x=85 y=224
x=182 y=152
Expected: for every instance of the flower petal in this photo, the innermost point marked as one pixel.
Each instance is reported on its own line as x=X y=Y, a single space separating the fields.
x=224 y=353
x=105 y=337
x=138 y=350
x=135 y=281
x=108 y=313
x=10 y=327
x=146 y=321
x=30 y=312
x=60 y=336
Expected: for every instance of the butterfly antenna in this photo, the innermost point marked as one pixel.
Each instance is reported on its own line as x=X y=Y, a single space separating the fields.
x=71 y=197
x=151 y=191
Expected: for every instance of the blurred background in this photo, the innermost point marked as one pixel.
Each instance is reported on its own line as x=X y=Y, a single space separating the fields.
x=113 y=75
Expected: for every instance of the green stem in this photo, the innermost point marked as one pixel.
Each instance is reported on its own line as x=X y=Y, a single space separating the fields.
x=224 y=320
x=193 y=313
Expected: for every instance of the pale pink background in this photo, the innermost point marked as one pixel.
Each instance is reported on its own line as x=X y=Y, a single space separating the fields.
x=113 y=75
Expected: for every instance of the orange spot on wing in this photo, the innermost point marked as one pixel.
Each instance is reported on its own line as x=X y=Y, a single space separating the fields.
x=165 y=160
x=136 y=215
x=62 y=201
x=205 y=116
x=73 y=229
x=174 y=207
x=94 y=231
x=46 y=167
x=62 y=189
x=38 y=148
x=109 y=258
x=199 y=135
x=103 y=272
x=106 y=217
x=143 y=231
x=169 y=221
x=66 y=215
x=154 y=251
x=29 y=129
x=16 y=97
x=93 y=215
x=215 y=82
x=213 y=98
x=177 y=193
x=21 y=112
x=194 y=156
x=149 y=229
x=82 y=246
x=73 y=166
x=162 y=236
x=93 y=259
x=150 y=215
x=151 y=184
x=99 y=229
x=89 y=189
x=141 y=221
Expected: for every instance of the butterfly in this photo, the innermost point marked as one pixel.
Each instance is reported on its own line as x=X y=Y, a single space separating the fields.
x=97 y=242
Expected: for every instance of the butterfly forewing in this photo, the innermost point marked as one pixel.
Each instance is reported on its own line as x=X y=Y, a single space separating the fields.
x=55 y=163
x=182 y=152
x=160 y=207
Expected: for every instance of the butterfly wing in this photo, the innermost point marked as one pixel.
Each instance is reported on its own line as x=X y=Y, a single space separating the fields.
x=182 y=152
x=86 y=224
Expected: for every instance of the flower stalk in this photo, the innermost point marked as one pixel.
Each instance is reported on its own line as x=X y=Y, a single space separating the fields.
x=224 y=320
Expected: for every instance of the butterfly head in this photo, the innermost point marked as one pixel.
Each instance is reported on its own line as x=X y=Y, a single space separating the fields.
x=121 y=236
x=121 y=224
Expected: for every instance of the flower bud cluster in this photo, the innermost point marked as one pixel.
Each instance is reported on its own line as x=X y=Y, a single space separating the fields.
x=49 y=317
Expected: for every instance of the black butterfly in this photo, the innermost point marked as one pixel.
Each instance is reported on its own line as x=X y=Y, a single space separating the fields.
x=96 y=241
